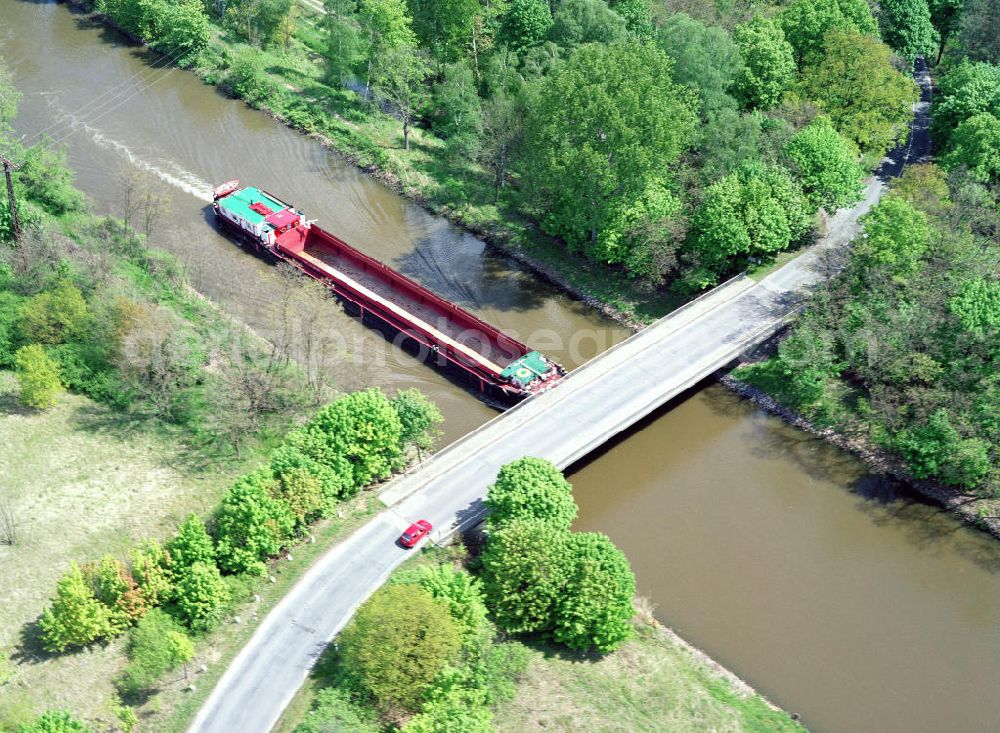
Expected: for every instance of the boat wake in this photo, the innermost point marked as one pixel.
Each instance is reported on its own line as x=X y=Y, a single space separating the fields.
x=168 y=171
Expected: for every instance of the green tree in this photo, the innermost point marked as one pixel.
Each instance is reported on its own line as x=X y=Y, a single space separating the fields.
x=397 y=643
x=151 y=569
x=924 y=186
x=945 y=15
x=595 y=611
x=975 y=144
x=55 y=316
x=38 y=376
x=525 y=23
x=418 y=417
x=56 y=721
x=201 y=596
x=334 y=484
x=638 y=17
x=458 y=117
x=246 y=76
x=503 y=131
x=462 y=594
x=388 y=26
x=156 y=645
x=259 y=21
x=250 y=524
x=399 y=82
x=187 y=30
x=76 y=617
x=603 y=129
x=302 y=493
x=344 y=42
x=768 y=63
x=906 y=27
x=706 y=59
x=531 y=488
x=964 y=92
x=445 y=26
x=46 y=179
x=191 y=544
x=361 y=428
x=979 y=30
x=937 y=449
x=977 y=307
x=586 y=21
x=756 y=211
x=868 y=101
x=525 y=570
x=452 y=708
x=115 y=587
x=895 y=238
x=826 y=166
x=807 y=22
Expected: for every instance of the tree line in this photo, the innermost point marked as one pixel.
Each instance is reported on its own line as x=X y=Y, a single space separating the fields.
x=902 y=348
x=676 y=142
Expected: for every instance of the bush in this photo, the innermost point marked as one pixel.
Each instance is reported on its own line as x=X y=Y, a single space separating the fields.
x=191 y=544
x=531 y=488
x=361 y=428
x=55 y=316
x=595 y=611
x=38 y=376
x=251 y=524
x=334 y=712
x=56 y=721
x=201 y=596
x=114 y=586
x=151 y=570
x=525 y=569
x=48 y=180
x=397 y=643
x=246 y=76
x=156 y=645
x=76 y=617
x=462 y=594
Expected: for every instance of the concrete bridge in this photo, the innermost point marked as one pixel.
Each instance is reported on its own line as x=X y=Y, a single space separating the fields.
x=600 y=399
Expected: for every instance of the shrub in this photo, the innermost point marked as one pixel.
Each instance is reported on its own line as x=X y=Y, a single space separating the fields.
x=151 y=570
x=397 y=643
x=595 y=611
x=462 y=594
x=335 y=713
x=251 y=525
x=525 y=570
x=56 y=721
x=201 y=596
x=361 y=427
x=75 y=617
x=191 y=544
x=38 y=376
x=246 y=76
x=55 y=316
x=531 y=488
x=156 y=645
x=418 y=417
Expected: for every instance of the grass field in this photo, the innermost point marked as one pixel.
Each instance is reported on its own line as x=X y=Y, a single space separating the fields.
x=82 y=480
x=651 y=684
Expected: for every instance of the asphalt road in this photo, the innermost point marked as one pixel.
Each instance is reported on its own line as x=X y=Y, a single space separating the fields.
x=596 y=401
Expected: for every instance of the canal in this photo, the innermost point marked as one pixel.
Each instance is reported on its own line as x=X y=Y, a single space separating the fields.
x=834 y=592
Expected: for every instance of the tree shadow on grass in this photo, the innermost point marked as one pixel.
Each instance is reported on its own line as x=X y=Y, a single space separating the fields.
x=188 y=455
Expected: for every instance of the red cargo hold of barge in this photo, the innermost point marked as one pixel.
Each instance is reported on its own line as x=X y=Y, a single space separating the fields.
x=500 y=368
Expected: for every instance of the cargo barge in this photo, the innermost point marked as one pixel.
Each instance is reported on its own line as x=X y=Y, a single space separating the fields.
x=499 y=368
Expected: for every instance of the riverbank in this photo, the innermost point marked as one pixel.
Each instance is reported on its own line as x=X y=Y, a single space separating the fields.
x=292 y=90
x=983 y=514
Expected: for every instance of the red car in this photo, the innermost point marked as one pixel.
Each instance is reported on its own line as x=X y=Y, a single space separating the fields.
x=414 y=533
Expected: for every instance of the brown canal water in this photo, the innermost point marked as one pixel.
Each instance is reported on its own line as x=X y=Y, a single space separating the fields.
x=837 y=594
